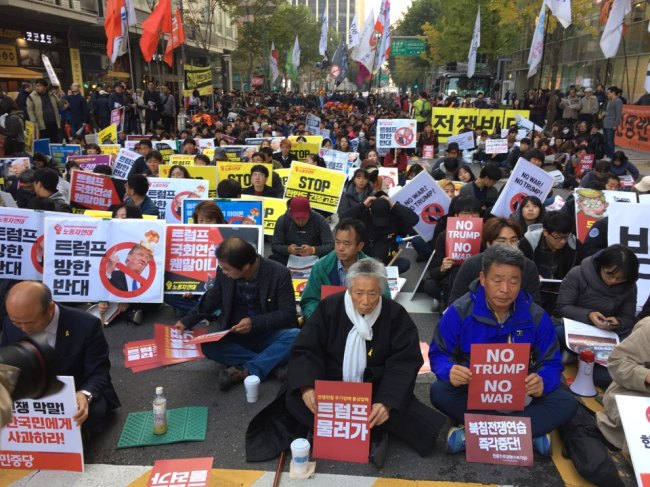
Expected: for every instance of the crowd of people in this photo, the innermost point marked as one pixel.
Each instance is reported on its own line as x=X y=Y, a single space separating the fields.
x=361 y=334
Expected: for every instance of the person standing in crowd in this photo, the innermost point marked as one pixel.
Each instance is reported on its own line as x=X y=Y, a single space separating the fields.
x=118 y=99
x=422 y=111
x=14 y=130
x=152 y=107
x=21 y=98
x=588 y=106
x=612 y=119
x=101 y=110
x=167 y=108
x=43 y=107
x=77 y=107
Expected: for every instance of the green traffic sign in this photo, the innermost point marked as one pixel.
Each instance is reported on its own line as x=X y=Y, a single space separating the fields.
x=407 y=47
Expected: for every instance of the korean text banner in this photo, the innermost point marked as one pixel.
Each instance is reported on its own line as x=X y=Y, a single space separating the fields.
x=108 y=135
x=396 y=133
x=632 y=133
x=450 y=121
x=634 y=412
x=337 y=160
x=427 y=200
x=181 y=160
x=322 y=186
x=60 y=152
x=166 y=148
x=209 y=173
x=191 y=253
x=43 y=433
x=526 y=180
x=235 y=212
x=239 y=153
x=21 y=244
x=197 y=78
x=168 y=195
x=302 y=149
x=115 y=260
x=124 y=163
x=90 y=191
x=89 y=163
x=272 y=209
x=241 y=171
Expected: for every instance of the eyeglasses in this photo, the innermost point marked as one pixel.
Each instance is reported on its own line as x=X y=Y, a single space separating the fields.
x=507 y=241
x=561 y=238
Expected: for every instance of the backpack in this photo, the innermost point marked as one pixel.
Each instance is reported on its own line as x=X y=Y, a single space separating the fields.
x=425 y=111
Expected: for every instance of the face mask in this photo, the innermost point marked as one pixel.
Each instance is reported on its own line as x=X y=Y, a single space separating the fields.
x=565 y=131
x=362 y=134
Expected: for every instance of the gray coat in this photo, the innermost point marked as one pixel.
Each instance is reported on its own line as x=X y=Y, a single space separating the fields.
x=613 y=113
x=315 y=233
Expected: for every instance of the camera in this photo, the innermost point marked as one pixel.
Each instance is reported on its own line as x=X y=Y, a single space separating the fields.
x=36 y=361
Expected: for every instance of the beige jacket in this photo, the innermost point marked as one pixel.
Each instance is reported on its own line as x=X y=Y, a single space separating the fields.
x=629 y=366
x=589 y=105
x=35 y=109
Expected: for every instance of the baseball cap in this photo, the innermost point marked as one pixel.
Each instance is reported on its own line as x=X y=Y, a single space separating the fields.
x=299 y=207
x=380 y=212
x=643 y=186
x=453 y=146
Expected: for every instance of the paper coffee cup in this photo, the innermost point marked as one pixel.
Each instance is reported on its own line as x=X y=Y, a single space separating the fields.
x=300 y=454
x=252 y=386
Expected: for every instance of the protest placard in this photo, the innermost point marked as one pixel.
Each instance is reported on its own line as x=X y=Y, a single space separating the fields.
x=116 y=117
x=185 y=472
x=124 y=163
x=181 y=160
x=526 y=180
x=311 y=139
x=235 y=212
x=463 y=238
x=215 y=336
x=43 y=434
x=634 y=412
x=110 y=149
x=284 y=175
x=93 y=138
x=168 y=195
x=498 y=375
x=54 y=80
x=60 y=152
x=337 y=160
x=89 y=163
x=31 y=133
x=108 y=135
x=341 y=427
x=582 y=336
x=322 y=186
x=396 y=133
x=173 y=346
x=390 y=176
x=208 y=173
x=632 y=133
x=629 y=226
x=7 y=200
x=584 y=164
x=166 y=148
x=313 y=124
x=272 y=209
x=301 y=150
x=42 y=146
x=203 y=144
x=427 y=200
x=499 y=440
x=496 y=146
x=141 y=355
x=21 y=244
x=428 y=151
x=239 y=153
x=190 y=261
x=104 y=260
x=90 y=191
x=465 y=140
x=592 y=205
x=241 y=171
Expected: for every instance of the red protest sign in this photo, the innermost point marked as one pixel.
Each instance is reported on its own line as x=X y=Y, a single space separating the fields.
x=584 y=164
x=327 y=290
x=500 y=440
x=194 y=472
x=90 y=191
x=173 y=346
x=428 y=151
x=341 y=427
x=498 y=375
x=141 y=355
x=209 y=337
x=463 y=237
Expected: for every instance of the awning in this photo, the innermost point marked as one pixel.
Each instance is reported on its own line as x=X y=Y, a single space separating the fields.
x=11 y=72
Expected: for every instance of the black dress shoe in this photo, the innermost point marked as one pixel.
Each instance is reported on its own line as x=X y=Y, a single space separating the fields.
x=378 y=449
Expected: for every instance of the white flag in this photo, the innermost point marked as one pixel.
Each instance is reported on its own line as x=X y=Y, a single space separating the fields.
x=382 y=26
x=295 y=55
x=353 y=36
x=647 y=80
x=611 y=38
x=120 y=46
x=130 y=12
x=365 y=52
x=473 y=48
x=322 y=45
x=537 y=46
x=273 y=63
x=562 y=10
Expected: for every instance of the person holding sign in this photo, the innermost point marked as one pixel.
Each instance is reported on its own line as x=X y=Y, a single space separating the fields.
x=258 y=187
x=136 y=189
x=497 y=310
x=381 y=347
x=285 y=157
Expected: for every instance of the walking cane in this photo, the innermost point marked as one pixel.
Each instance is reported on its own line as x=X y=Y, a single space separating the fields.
x=278 y=471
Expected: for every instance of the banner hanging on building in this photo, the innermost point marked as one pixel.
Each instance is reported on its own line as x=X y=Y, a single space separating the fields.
x=197 y=78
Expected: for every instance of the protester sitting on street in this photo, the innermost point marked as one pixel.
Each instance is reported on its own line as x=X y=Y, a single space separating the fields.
x=189 y=146
x=301 y=232
x=598 y=173
x=140 y=165
x=497 y=310
x=464 y=174
x=46 y=181
x=127 y=211
x=258 y=187
x=447 y=169
x=257 y=304
x=496 y=231
x=104 y=169
x=601 y=292
x=284 y=157
x=427 y=137
x=356 y=191
x=229 y=188
x=448 y=187
x=536 y=157
x=621 y=166
x=136 y=189
x=202 y=160
x=382 y=347
x=629 y=367
x=613 y=183
x=23 y=191
x=483 y=187
x=396 y=158
x=385 y=220
x=515 y=153
x=265 y=157
x=179 y=172
x=530 y=211
x=154 y=160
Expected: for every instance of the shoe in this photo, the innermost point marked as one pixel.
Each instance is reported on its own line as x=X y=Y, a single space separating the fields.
x=542 y=444
x=231 y=376
x=280 y=372
x=378 y=449
x=455 y=440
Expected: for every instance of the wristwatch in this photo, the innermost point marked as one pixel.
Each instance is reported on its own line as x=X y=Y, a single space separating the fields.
x=88 y=395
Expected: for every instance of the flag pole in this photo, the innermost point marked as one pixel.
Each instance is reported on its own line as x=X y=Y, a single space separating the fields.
x=128 y=46
x=541 y=67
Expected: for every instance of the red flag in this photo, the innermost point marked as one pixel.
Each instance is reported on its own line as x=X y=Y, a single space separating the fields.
x=112 y=24
x=363 y=74
x=160 y=21
x=176 y=39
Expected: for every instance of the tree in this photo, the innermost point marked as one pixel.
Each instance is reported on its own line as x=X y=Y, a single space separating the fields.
x=199 y=17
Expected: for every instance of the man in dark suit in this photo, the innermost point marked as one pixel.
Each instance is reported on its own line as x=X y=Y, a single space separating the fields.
x=77 y=337
x=257 y=304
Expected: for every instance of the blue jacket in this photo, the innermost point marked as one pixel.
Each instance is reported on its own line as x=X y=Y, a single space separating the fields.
x=469 y=320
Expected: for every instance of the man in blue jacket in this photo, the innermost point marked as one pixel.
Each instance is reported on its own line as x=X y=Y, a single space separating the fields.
x=496 y=310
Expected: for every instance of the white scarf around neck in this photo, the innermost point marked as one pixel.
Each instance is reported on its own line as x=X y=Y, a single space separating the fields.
x=354 y=357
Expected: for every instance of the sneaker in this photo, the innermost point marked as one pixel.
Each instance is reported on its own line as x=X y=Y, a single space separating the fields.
x=455 y=440
x=542 y=444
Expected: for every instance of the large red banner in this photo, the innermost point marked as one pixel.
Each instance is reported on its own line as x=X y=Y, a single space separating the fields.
x=632 y=133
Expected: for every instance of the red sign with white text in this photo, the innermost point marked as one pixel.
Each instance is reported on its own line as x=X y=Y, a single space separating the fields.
x=498 y=376
x=184 y=472
x=584 y=164
x=500 y=440
x=341 y=427
x=463 y=238
x=90 y=191
x=173 y=346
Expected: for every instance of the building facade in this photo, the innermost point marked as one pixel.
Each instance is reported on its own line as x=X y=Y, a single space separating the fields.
x=339 y=12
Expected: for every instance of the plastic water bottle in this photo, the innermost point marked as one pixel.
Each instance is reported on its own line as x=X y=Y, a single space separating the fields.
x=159 y=412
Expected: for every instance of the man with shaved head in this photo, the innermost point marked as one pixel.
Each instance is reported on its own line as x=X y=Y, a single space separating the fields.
x=78 y=338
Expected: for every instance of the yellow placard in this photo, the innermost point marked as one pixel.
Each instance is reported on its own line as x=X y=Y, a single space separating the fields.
x=302 y=149
x=322 y=186
x=111 y=149
x=209 y=173
x=298 y=287
x=510 y=117
x=209 y=151
x=109 y=214
x=30 y=137
x=311 y=139
x=75 y=66
x=241 y=171
x=108 y=135
x=272 y=209
x=181 y=160
x=451 y=121
x=284 y=175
